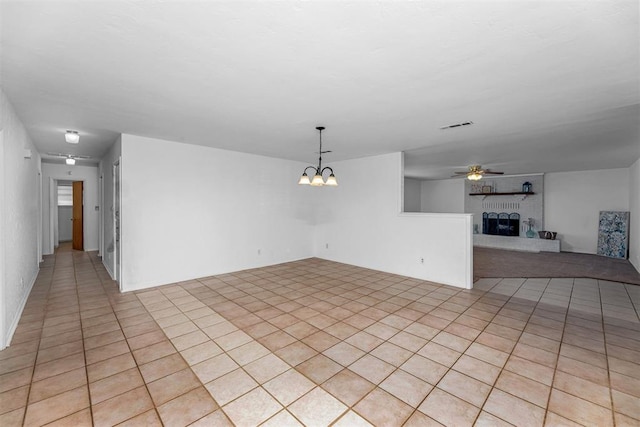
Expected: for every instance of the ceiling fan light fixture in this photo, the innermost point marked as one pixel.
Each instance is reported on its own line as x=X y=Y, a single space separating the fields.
x=474 y=176
x=476 y=173
x=72 y=136
x=70 y=161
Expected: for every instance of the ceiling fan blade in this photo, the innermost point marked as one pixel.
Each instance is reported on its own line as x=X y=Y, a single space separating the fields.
x=65 y=156
x=475 y=170
x=459 y=175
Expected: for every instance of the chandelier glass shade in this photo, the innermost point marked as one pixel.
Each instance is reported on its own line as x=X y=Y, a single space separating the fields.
x=318 y=172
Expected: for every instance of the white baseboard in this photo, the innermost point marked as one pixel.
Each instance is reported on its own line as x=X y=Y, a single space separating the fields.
x=16 y=319
x=106 y=267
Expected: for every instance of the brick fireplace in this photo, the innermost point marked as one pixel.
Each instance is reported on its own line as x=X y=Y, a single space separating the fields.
x=501 y=213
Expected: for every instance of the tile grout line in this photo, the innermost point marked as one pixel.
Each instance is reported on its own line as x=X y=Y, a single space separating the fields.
x=84 y=353
x=44 y=318
x=604 y=342
x=493 y=386
x=35 y=360
x=225 y=352
x=279 y=284
x=349 y=407
x=241 y=367
x=606 y=354
x=555 y=369
x=177 y=352
x=610 y=389
x=377 y=386
x=508 y=357
x=284 y=408
x=449 y=368
x=48 y=296
x=102 y=283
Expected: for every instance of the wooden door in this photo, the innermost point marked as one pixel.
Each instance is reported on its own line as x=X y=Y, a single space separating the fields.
x=78 y=238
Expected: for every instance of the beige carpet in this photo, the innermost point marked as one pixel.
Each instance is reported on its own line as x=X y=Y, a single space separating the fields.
x=488 y=262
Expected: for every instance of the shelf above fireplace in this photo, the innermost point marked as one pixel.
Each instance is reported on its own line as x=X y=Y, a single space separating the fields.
x=510 y=193
x=503 y=194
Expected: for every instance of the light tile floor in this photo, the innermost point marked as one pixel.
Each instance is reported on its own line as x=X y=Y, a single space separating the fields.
x=320 y=343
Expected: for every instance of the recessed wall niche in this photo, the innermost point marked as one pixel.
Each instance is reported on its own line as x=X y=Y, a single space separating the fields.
x=495 y=199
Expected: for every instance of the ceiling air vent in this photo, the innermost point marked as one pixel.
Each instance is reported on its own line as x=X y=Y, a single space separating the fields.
x=457 y=125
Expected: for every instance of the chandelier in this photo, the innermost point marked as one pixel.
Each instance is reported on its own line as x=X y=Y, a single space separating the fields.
x=318 y=180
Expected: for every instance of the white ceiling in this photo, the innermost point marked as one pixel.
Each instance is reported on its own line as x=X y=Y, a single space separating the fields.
x=549 y=85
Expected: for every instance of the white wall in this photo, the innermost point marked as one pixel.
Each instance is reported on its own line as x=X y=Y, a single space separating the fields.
x=19 y=216
x=412 y=194
x=4 y=332
x=88 y=174
x=634 y=207
x=190 y=211
x=573 y=201
x=361 y=223
x=105 y=172
x=443 y=196
x=65 y=225
x=182 y=217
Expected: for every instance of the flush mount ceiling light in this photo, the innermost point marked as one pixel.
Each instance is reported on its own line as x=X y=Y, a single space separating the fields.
x=72 y=136
x=318 y=180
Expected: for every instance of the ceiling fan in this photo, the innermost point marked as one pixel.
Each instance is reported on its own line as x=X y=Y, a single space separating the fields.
x=70 y=159
x=476 y=173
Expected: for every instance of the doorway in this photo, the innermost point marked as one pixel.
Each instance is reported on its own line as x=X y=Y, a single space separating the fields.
x=68 y=213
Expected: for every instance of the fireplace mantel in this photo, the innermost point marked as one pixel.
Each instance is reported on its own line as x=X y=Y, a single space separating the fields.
x=514 y=193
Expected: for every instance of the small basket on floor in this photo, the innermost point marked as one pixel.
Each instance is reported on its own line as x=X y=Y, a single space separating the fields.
x=549 y=235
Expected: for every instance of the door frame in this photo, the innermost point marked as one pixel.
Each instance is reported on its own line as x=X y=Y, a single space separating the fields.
x=40 y=214
x=3 y=300
x=117 y=210
x=53 y=209
x=101 y=248
x=74 y=209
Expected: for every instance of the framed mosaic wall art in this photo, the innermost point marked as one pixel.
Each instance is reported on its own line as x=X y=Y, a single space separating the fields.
x=613 y=234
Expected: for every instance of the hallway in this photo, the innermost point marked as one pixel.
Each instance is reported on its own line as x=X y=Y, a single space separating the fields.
x=315 y=342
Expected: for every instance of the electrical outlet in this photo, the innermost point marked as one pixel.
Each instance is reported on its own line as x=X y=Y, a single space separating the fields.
x=326 y=246
x=421 y=260
x=259 y=251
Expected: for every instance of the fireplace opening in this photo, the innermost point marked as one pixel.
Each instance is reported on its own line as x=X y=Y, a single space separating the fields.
x=501 y=224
